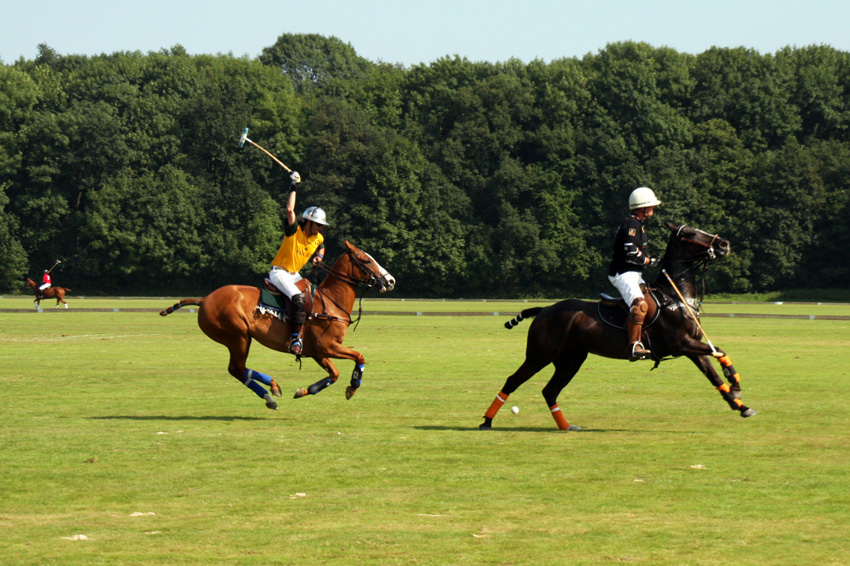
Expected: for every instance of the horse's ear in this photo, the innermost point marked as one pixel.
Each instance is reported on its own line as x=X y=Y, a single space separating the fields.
x=672 y=227
x=351 y=247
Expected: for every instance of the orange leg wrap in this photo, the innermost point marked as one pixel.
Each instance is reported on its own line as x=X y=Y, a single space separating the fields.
x=496 y=405
x=559 y=417
x=729 y=369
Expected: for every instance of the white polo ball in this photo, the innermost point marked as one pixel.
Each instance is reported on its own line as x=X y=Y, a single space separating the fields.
x=514 y=409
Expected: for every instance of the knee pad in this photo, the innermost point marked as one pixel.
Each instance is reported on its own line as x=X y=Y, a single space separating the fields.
x=638 y=311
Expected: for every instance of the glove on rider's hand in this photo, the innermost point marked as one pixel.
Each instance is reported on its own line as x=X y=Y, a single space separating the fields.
x=294 y=178
x=653 y=261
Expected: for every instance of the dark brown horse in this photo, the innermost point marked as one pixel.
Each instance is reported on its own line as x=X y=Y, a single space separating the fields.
x=564 y=334
x=229 y=315
x=57 y=293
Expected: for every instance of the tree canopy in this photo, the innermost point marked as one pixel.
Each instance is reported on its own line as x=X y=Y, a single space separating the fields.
x=485 y=179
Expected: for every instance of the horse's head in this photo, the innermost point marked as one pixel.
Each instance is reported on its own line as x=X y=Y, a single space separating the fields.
x=29 y=283
x=373 y=274
x=690 y=245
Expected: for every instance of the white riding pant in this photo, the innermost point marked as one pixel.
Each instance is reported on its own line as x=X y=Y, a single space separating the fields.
x=285 y=281
x=43 y=287
x=628 y=284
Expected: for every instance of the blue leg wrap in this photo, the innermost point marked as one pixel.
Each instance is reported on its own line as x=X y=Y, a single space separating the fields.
x=261 y=377
x=255 y=387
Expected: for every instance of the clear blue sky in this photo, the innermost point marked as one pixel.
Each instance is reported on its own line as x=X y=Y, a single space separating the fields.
x=421 y=31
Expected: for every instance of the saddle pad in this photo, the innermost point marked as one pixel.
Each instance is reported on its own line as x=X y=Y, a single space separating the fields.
x=272 y=301
x=612 y=316
x=615 y=314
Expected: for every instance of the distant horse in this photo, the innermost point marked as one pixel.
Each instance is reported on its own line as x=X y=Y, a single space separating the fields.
x=564 y=333
x=229 y=315
x=57 y=293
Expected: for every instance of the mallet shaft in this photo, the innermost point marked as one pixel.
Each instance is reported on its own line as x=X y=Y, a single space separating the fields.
x=261 y=148
x=688 y=307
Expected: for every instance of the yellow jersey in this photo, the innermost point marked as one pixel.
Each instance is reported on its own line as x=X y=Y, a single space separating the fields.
x=296 y=249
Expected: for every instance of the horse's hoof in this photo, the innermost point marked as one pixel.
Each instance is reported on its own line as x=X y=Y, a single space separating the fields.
x=271 y=404
x=574 y=428
x=486 y=425
x=748 y=413
x=301 y=392
x=275 y=389
x=349 y=392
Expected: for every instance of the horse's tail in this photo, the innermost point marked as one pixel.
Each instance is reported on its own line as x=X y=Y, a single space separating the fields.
x=527 y=313
x=180 y=304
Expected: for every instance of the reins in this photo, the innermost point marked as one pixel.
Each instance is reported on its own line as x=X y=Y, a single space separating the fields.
x=695 y=262
x=367 y=282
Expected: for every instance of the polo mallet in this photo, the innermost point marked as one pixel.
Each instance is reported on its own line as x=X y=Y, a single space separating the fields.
x=54 y=265
x=244 y=138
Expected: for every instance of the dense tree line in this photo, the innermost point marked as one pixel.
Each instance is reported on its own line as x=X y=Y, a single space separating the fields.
x=464 y=178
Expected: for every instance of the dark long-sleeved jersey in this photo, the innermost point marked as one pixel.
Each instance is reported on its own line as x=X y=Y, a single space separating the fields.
x=630 y=245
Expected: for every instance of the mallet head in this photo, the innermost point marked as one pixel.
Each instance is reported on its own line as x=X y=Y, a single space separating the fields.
x=243 y=138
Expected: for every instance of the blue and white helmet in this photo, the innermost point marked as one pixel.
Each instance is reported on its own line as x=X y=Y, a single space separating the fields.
x=315 y=214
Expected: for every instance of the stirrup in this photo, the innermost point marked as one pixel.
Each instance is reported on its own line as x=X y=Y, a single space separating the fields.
x=638 y=352
x=295 y=346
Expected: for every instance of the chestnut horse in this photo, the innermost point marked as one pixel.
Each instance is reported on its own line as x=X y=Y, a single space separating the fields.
x=229 y=315
x=57 y=293
x=564 y=334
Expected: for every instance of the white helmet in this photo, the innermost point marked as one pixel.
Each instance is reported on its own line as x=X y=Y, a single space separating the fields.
x=315 y=214
x=642 y=197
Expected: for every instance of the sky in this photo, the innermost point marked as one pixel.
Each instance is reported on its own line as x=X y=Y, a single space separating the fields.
x=422 y=31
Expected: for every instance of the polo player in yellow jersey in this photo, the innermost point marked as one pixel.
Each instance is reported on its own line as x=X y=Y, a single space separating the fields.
x=301 y=239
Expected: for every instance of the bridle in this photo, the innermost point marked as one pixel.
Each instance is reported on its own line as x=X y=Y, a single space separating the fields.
x=367 y=282
x=710 y=254
x=697 y=261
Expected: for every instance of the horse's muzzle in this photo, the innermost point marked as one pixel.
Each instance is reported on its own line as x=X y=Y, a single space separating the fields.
x=722 y=248
x=386 y=283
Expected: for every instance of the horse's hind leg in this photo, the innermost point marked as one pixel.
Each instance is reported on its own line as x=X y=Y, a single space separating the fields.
x=566 y=366
x=733 y=399
x=249 y=377
x=528 y=368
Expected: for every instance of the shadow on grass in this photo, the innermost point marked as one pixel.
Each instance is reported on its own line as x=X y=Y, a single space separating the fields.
x=177 y=418
x=552 y=429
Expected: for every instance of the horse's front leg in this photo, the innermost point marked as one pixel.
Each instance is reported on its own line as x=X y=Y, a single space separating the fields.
x=731 y=397
x=693 y=346
x=333 y=375
x=341 y=352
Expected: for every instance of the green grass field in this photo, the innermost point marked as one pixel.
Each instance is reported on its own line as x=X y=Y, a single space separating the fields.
x=126 y=429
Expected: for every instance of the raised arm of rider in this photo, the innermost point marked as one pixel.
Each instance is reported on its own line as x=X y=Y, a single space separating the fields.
x=290 y=207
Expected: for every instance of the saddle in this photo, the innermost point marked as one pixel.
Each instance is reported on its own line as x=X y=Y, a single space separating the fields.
x=614 y=310
x=274 y=302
